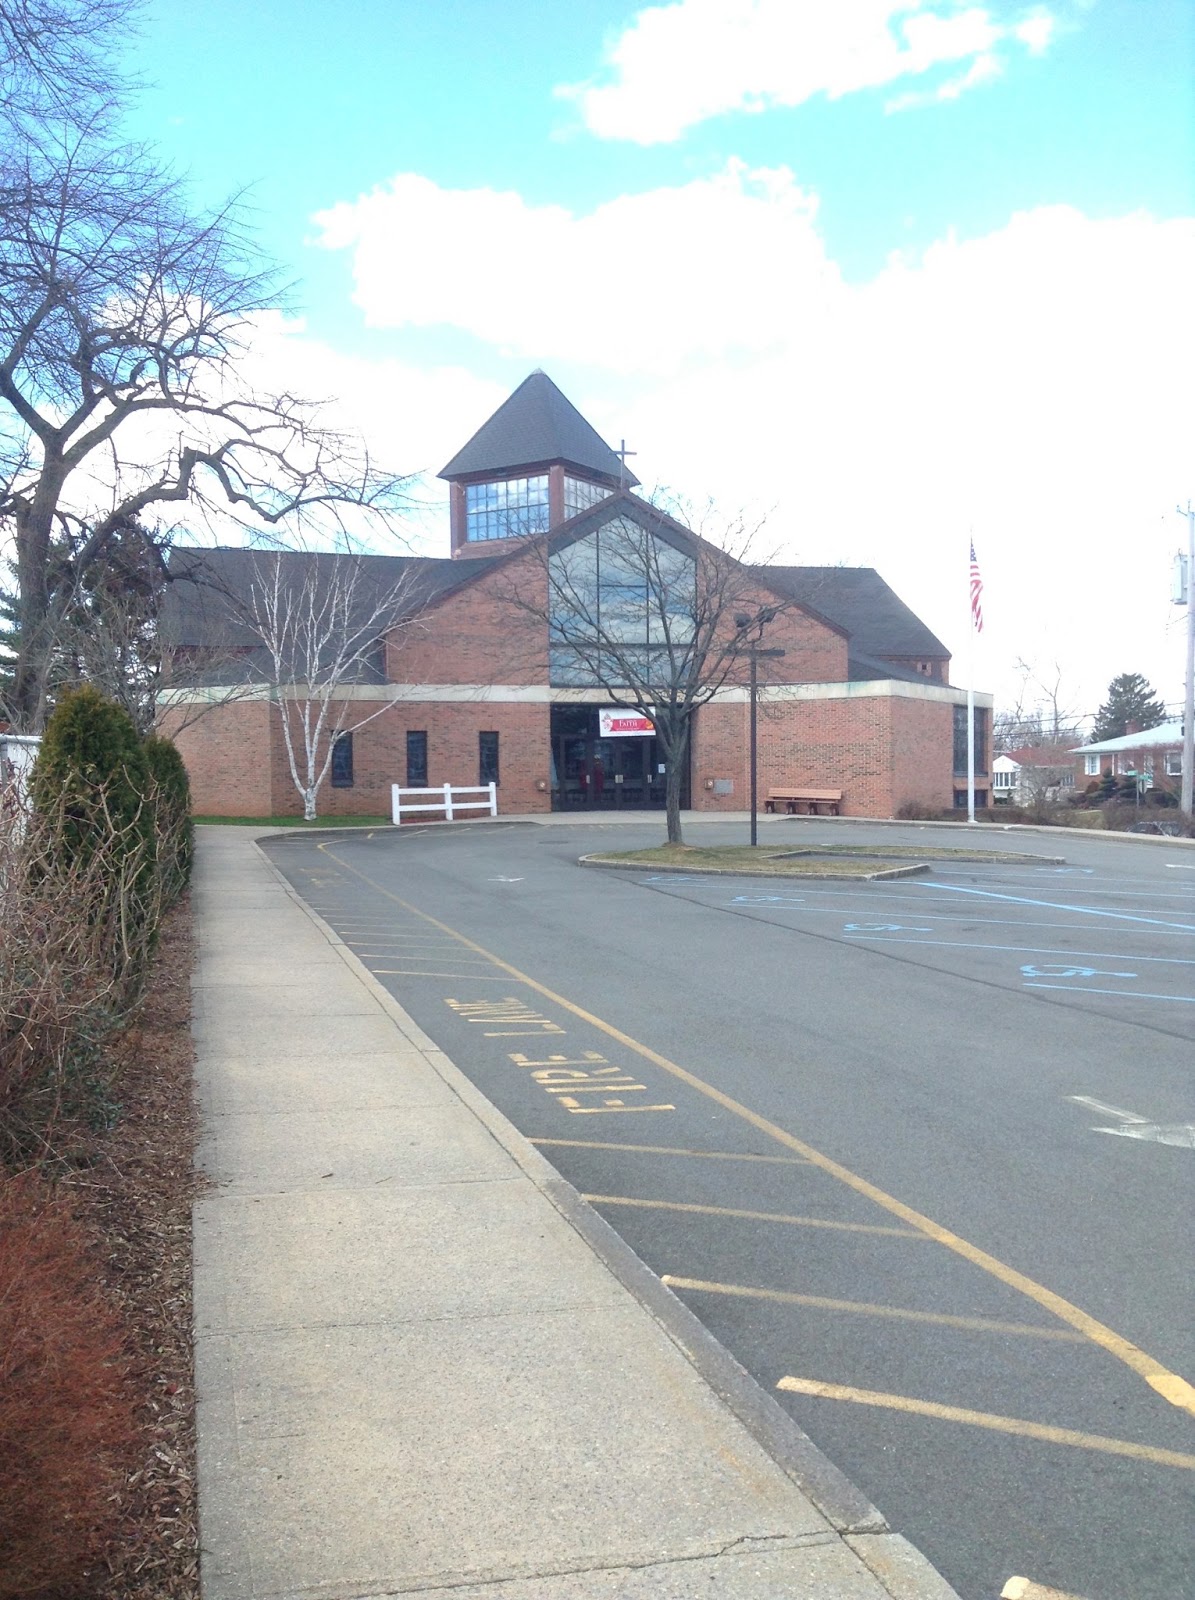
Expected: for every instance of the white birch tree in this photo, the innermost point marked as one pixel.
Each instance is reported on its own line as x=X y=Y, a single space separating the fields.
x=322 y=621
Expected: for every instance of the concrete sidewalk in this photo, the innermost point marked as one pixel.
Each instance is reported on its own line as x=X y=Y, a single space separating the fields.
x=423 y=1362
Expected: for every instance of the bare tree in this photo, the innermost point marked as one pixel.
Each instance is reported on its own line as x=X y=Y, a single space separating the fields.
x=654 y=616
x=125 y=323
x=107 y=633
x=323 y=622
x=57 y=57
x=1040 y=715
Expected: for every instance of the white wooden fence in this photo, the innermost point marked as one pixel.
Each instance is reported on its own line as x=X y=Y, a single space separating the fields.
x=445 y=799
x=18 y=752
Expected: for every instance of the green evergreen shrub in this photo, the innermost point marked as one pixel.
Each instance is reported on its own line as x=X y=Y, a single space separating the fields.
x=91 y=785
x=92 y=770
x=172 y=802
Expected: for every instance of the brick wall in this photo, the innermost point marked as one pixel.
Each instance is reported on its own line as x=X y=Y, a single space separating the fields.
x=225 y=753
x=380 y=756
x=880 y=750
x=477 y=634
x=813 y=652
x=236 y=756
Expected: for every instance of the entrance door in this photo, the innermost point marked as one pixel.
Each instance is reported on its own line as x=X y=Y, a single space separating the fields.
x=603 y=774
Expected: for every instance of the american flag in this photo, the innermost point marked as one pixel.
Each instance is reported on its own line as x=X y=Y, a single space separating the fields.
x=976 y=592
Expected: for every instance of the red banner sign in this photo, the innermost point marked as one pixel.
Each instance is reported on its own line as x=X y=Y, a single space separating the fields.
x=624 y=724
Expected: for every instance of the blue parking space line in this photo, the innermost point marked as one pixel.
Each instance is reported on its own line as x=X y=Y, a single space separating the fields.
x=1023 y=949
x=1128 y=994
x=972 y=917
x=1053 y=905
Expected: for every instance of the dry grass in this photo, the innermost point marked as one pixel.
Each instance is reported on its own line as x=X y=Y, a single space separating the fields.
x=815 y=861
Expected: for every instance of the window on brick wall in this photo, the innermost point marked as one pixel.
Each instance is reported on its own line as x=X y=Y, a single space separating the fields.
x=342 y=761
x=487 y=757
x=417 y=758
x=981 y=739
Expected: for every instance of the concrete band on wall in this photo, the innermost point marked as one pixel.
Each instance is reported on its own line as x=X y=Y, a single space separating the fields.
x=545 y=694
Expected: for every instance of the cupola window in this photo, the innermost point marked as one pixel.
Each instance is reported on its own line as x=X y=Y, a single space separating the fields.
x=507 y=508
x=580 y=494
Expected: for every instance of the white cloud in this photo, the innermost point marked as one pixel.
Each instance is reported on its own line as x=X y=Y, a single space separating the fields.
x=646 y=281
x=677 y=65
x=982 y=70
x=1036 y=32
x=1031 y=385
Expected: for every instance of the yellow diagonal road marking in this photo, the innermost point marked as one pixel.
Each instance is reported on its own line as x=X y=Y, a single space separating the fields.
x=671 y=1150
x=821 y=1302
x=755 y=1216
x=1170 y=1385
x=987 y=1419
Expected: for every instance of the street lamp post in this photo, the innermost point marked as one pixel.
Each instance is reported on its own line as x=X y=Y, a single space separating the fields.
x=1188 y=773
x=751 y=648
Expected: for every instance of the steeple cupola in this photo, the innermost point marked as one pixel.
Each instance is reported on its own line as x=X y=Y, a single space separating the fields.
x=534 y=464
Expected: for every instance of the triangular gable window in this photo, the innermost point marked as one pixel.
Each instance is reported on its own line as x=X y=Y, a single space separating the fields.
x=620 y=596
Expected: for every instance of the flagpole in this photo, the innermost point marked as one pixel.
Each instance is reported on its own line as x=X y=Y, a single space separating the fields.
x=974 y=626
x=971 y=728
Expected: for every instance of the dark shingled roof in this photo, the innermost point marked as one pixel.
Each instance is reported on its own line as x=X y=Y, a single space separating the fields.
x=536 y=425
x=205 y=604
x=858 y=599
x=862 y=668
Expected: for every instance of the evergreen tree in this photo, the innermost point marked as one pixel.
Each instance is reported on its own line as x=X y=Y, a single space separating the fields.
x=172 y=801
x=1131 y=699
x=91 y=775
x=9 y=604
x=107 y=632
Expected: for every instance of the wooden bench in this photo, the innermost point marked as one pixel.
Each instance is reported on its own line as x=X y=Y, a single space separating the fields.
x=812 y=799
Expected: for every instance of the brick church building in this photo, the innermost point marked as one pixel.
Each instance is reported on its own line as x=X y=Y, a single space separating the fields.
x=476 y=675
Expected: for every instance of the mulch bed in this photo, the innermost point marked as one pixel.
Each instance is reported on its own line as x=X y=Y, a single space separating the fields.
x=136 y=1196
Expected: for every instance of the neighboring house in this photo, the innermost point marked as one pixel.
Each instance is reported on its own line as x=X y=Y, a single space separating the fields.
x=472 y=689
x=1155 y=755
x=1032 y=774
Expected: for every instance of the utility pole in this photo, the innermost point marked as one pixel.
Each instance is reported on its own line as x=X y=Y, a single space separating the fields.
x=1189 y=698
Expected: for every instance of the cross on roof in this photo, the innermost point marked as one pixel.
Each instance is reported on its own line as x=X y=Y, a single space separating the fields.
x=622 y=453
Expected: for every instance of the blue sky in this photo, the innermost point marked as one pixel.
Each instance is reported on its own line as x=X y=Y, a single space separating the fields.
x=886 y=272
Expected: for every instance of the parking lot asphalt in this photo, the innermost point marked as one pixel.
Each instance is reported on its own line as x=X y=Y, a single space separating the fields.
x=919 y=1153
